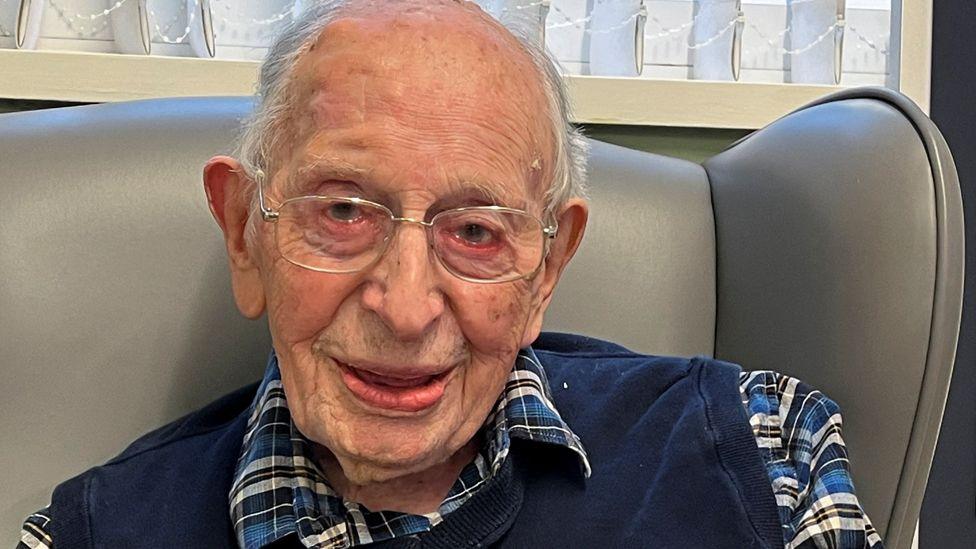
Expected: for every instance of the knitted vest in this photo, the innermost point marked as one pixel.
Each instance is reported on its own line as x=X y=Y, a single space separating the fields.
x=674 y=460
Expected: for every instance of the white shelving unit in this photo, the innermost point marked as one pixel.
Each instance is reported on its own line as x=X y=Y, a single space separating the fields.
x=98 y=77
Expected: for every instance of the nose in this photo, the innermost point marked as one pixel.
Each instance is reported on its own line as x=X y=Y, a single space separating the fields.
x=402 y=287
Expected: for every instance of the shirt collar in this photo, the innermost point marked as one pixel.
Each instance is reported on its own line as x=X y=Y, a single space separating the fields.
x=525 y=410
x=278 y=489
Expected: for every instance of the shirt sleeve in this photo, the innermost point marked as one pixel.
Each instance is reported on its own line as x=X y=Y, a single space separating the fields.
x=35 y=534
x=798 y=431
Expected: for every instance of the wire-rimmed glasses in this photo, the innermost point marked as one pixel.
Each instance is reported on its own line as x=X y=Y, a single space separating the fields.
x=485 y=244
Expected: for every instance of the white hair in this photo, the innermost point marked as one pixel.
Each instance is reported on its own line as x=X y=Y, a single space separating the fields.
x=264 y=131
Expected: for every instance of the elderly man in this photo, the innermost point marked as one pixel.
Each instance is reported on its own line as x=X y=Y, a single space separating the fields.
x=404 y=200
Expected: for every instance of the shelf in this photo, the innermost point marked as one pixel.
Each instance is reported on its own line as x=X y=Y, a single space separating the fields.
x=100 y=77
x=686 y=103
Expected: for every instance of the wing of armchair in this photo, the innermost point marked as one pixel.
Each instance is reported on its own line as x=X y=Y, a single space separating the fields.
x=827 y=246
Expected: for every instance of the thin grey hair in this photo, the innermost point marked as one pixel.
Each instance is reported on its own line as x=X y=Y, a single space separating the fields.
x=264 y=131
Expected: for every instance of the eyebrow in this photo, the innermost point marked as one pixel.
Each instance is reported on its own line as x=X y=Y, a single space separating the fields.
x=460 y=191
x=463 y=193
x=319 y=168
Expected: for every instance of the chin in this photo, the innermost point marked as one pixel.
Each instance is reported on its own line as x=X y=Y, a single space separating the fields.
x=368 y=469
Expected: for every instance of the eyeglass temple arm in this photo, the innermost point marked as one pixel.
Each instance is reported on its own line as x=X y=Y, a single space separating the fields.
x=267 y=213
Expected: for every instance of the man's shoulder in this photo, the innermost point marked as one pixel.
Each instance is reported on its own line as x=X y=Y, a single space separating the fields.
x=587 y=347
x=209 y=419
x=591 y=378
x=172 y=449
x=207 y=427
x=574 y=355
x=574 y=344
x=177 y=474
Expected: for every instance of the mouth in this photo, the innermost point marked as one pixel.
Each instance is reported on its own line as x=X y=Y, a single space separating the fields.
x=400 y=391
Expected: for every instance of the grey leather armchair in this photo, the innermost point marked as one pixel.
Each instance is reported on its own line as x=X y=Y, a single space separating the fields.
x=828 y=246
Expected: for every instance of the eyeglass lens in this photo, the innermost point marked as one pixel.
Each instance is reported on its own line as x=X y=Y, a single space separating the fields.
x=341 y=236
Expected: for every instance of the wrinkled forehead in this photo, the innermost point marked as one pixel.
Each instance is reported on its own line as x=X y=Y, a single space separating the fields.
x=438 y=50
x=433 y=75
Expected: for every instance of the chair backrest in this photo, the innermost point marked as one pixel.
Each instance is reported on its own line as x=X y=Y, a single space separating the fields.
x=840 y=261
x=831 y=242
x=115 y=297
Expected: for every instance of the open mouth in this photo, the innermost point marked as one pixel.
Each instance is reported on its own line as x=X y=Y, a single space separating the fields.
x=402 y=392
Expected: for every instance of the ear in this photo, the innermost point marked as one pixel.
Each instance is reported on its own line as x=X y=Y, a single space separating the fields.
x=226 y=184
x=572 y=224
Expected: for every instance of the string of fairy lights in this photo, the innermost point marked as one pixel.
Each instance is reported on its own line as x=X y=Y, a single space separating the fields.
x=227 y=20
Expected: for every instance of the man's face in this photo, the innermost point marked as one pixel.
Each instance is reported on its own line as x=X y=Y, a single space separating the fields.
x=394 y=368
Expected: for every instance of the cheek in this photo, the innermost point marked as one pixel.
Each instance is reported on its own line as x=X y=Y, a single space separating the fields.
x=302 y=303
x=493 y=317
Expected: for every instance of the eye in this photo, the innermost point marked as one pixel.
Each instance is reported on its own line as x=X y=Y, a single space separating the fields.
x=471 y=233
x=475 y=234
x=345 y=212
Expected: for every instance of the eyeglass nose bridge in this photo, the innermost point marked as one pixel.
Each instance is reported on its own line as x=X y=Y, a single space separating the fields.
x=427 y=225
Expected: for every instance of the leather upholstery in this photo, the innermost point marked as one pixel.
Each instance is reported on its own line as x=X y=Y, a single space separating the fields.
x=837 y=231
x=827 y=246
x=657 y=209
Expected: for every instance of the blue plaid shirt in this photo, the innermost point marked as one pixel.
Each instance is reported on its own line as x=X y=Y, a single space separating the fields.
x=274 y=449
x=279 y=489
x=798 y=431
